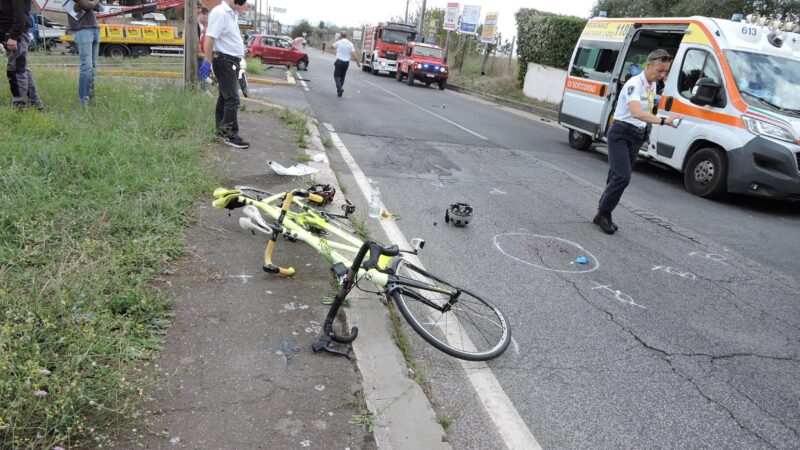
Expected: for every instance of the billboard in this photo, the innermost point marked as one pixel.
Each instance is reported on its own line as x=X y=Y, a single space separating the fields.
x=489 y=28
x=451 y=17
x=469 y=19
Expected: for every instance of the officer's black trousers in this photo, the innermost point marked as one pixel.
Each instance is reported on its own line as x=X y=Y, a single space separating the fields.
x=624 y=141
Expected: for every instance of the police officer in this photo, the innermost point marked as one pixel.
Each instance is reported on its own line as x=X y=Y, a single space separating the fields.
x=626 y=135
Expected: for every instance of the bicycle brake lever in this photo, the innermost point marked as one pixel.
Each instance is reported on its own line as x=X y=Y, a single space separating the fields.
x=325 y=343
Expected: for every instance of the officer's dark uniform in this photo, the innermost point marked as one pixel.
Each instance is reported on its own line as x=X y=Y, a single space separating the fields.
x=625 y=137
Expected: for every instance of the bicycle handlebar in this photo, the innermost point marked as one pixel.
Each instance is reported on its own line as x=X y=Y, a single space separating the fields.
x=375 y=252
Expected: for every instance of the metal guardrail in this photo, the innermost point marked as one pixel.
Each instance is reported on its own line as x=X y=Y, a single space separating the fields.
x=545 y=112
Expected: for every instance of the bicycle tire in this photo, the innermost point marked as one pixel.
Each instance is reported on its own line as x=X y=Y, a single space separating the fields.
x=480 y=331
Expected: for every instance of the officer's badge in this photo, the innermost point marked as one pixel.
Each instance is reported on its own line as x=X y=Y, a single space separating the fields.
x=630 y=89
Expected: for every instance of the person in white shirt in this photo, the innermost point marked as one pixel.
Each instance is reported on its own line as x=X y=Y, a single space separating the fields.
x=224 y=48
x=625 y=137
x=344 y=52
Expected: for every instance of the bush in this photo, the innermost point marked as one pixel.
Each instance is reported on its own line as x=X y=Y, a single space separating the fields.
x=545 y=39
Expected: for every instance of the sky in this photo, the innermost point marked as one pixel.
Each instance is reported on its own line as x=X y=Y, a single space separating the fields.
x=356 y=12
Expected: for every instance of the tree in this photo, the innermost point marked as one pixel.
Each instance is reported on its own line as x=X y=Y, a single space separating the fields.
x=321 y=25
x=302 y=27
x=684 y=8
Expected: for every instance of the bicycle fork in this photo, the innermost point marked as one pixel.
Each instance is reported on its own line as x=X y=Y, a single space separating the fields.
x=329 y=336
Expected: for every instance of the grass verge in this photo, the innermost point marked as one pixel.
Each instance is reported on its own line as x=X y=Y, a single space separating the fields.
x=500 y=80
x=94 y=204
x=295 y=122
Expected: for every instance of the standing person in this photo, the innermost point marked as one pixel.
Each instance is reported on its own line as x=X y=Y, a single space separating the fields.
x=203 y=66
x=14 y=23
x=626 y=135
x=345 y=51
x=225 y=49
x=87 y=39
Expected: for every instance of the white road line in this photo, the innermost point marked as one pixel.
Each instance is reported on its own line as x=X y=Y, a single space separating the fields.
x=510 y=426
x=429 y=112
x=303 y=82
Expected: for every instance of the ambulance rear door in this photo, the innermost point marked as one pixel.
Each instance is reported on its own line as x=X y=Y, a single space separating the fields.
x=587 y=87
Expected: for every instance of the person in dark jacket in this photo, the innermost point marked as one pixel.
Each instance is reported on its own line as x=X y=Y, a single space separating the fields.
x=14 y=23
x=87 y=38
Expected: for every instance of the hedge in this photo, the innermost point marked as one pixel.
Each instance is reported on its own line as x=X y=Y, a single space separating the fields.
x=545 y=39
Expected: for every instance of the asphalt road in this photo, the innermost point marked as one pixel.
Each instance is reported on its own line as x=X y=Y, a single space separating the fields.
x=682 y=331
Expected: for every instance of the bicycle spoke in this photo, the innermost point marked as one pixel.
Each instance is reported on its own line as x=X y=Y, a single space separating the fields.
x=470 y=328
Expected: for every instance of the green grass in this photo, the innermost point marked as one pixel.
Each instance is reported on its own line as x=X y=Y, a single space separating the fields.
x=363 y=417
x=254 y=66
x=295 y=122
x=419 y=375
x=499 y=79
x=302 y=158
x=94 y=203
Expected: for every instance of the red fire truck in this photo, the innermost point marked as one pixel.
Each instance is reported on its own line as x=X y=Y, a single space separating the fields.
x=382 y=43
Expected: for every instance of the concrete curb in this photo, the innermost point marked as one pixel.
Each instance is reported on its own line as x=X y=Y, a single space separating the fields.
x=544 y=112
x=404 y=417
x=164 y=74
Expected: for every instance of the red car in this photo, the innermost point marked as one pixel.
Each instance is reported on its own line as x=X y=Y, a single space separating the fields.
x=276 y=50
x=422 y=62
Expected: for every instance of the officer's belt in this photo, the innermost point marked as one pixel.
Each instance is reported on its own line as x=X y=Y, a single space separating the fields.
x=630 y=126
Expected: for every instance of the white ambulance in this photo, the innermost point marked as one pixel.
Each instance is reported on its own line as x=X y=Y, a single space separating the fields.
x=736 y=84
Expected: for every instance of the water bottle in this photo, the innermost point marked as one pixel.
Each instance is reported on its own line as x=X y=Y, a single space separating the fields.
x=374 y=210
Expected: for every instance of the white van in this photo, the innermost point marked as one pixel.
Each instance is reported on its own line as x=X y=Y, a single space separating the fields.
x=736 y=84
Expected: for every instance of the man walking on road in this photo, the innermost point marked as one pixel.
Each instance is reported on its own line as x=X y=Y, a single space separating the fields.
x=626 y=135
x=14 y=24
x=344 y=52
x=225 y=49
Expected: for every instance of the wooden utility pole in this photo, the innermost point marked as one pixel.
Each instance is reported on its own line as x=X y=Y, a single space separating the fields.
x=486 y=50
x=420 y=37
x=511 y=54
x=190 y=44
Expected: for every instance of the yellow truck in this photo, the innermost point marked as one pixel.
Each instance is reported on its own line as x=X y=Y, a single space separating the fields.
x=117 y=41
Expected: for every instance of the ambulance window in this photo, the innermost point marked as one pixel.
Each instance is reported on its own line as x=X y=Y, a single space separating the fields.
x=696 y=64
x=594 y=63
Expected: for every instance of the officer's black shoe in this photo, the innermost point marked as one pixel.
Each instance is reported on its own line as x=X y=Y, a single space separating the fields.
x=604 y=222
x=613 y=225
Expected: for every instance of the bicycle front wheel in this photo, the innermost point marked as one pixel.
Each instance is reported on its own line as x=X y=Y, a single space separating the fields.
x=471 y=328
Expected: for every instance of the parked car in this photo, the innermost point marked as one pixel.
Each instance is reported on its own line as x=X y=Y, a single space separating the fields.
x=276 y=50
x=422 y=62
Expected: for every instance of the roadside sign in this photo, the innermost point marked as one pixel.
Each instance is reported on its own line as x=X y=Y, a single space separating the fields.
x=275 y=9
x=489 y=28
x=451 y=17
x=469 y=19
x=42 y=4
x=356 y=35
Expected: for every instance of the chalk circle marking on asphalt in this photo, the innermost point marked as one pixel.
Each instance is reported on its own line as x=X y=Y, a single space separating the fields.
x=593 y=264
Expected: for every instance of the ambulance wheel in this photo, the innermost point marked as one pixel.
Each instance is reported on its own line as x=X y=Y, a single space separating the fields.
x=706 y=173
x=442 y=84
x=579 y=141
x=410 y=80
x=399 y=74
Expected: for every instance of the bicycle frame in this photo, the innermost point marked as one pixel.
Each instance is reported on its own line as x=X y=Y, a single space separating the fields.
x=353 y=260
x=293 y=225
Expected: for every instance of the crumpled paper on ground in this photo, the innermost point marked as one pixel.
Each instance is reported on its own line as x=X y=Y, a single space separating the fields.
x=295 y=170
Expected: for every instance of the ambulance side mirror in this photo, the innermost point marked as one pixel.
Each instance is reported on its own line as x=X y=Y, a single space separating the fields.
x=705 y=92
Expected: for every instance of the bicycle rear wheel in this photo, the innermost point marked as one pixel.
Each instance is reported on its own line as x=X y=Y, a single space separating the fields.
x=472 y=329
